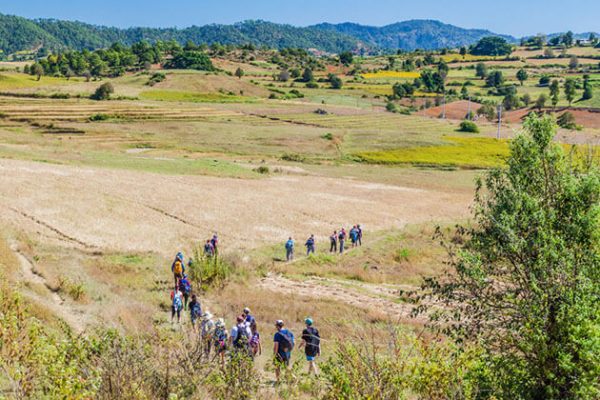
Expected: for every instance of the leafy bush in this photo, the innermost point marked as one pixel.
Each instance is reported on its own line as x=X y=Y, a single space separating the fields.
x=103 y=92
x=567 y=121
x=99 y=117
x=156 y=77
x=192 y=59
x=312 y=85
x=327 y=136
x=263 y=169
x=468 y=126
x=294 y=157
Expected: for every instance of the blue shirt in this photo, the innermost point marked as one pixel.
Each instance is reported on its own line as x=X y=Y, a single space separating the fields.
x=279 y=338
x=289 y=245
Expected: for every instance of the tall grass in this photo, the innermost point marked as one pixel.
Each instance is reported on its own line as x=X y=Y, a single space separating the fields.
x=209 y=271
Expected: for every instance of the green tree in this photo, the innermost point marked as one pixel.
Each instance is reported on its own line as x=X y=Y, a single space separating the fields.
x=197 y=60
x=492 y=46
x=335 y=81
x=37 y=70
x=481 y=70
x=463 y=51
x=103 y=92
x=346 y=58
x=588 y=91
x=522 y=75
x=573 y=62
x=540 y=103
x=524 y=279
x=495 y=79
x=239 y=73
x=307 y=75
x=570 y=88
x=554 y=92
x=567 y=39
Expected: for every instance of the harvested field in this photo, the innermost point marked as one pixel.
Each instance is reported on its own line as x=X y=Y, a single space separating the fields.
x=83 y=207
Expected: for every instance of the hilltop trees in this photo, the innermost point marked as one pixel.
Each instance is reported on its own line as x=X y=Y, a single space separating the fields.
x=524 y=279
x=190 y=60
x=492 y=46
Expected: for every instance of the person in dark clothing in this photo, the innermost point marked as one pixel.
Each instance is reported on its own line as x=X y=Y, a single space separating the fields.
x=311 y=341
x=333 y=242
x=342 y=239
x=310 y=245
x=195 y=310
x=360 y=232
x=282 y=347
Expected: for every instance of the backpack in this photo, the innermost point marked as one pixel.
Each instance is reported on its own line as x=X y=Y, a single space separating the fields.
x=241 y=338
x=341 y=236
x=315 y=339
x=196 y=310
x=221 y=339
x=184 y=286
x=178 y=268
x=287 y=344
x=177 y=303
x=289 y=245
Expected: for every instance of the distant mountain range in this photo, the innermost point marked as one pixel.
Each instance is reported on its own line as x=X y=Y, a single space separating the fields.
x=22 y=34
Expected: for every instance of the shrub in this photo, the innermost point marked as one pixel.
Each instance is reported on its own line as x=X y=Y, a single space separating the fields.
x=468 y=126
x=294 y=157
x=327 y=136
x=312 y=85
x=391 y=107
x=103 y=92
x=99 y=117
x=567 y=121
x=263 y=169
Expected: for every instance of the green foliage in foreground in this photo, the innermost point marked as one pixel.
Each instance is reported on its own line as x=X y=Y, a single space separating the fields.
x=461 y=152
x=525 y=280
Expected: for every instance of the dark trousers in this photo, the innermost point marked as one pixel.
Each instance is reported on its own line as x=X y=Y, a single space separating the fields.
x=333 y=247
x=342 y=242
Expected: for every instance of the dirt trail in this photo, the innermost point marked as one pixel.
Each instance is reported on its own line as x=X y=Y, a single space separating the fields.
x=381 y=298
x=50 y=299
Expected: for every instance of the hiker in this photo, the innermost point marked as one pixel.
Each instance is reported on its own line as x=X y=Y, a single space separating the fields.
x=255 y=346
x=282 y=347
x=342 y=239
x=220 y=340
x=209 y=250
x=215 y=241
x=186 y=288
x=195 y=310
x=333 y=242
x=310 y=245
x=359 y=229
x=240 y=334
x=354 y=236
x=207 y=327
x=289 y=249
x=176 y=304
x=311 y=341
x=248 y=317
x=177 y=268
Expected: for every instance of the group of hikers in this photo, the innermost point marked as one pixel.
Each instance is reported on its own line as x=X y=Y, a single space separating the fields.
x=243 y=339
x=337 y=242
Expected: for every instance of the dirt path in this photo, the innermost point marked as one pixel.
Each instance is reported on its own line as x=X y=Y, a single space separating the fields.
x=50 y=299
x=98 y=209
x=382 y=298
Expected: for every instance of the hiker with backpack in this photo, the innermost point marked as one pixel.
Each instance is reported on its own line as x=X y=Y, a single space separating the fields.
x=255 y=346
x=209 y=250
x=219 y=340
x=195 y=310
x=289 y=249
x=186 y=288
x=311 y=341
x=333 y=242
x=310 y=245
x=207 y=327
x=215 y=242
x=176 y=304
x=240 y=335
x=354 y=236
x=360 y=233
x=177 y=268
x=282 y=347
x=248 y=317
x=342 y=239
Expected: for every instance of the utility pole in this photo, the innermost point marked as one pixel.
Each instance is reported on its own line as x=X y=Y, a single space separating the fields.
x=499 y=120
x=469 y=109
x=444 y=107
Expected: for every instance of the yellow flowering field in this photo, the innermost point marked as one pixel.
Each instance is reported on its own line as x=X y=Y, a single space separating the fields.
x=392 y=75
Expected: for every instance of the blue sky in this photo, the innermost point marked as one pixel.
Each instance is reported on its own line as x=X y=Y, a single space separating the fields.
x=516 y=17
